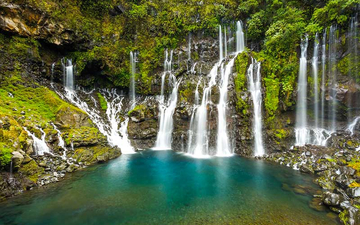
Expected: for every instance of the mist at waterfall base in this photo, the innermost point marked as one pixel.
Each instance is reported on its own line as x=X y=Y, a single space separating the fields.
x=164 y=187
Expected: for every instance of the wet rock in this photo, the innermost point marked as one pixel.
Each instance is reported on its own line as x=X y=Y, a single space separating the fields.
x=350 y=215
x=354 y=192
x=17 y=159
x=306 y=169
x=344 y=181
x=331 y=199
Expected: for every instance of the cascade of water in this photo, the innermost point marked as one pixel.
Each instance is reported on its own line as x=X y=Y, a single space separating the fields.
x=61 y=141
x=223 y=143
x=240 y=40
x=323 y=64
x=255 y=90
x=189 y=48
x=301 y=131
x=69 y=79
x=192 y=123
x=198 y=145
x=225 y=42
x=108 y=126
x=198 y=127
x=11 y=178
x=167 y=108
x=52 y=72
x=221 y=54
x=193 y=71
x=352 y=125
x=353 y=51
x=39 y=145
x=316 y=81
x=332 y=75
x=132 y=94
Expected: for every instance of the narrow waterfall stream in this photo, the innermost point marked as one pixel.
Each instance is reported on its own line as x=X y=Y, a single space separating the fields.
x=254 y=80
x=132 y=94
x=39 y=145
x=167 y=106
x=301 y=131
x=61 y=141
x=332 y=75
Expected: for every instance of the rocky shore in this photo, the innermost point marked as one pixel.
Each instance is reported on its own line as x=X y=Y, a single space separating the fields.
x=337 y=170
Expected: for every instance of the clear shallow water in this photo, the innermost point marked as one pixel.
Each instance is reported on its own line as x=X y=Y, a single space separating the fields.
x=163 y=187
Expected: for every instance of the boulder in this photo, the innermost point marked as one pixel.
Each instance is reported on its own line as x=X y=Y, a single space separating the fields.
x=17 y=159
x=331 y=199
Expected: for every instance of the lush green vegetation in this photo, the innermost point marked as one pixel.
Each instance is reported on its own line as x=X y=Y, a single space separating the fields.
x=150 y=27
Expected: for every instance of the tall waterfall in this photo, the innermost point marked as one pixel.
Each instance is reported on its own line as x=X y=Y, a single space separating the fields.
x=221 y=49
x=332 y=75
x=132 y=94
x=223 y=142
x=225 y=43
x=189 y=47
x=69 y=80
x=301 y=130
x=353 y=57
x=254 y=80
x=199 y=133
x=323 y=66
x=167 y=108
x=240 y=40
x=316 y=82
x=39 y=145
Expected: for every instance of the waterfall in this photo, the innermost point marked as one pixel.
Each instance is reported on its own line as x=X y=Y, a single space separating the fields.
x=189 y=47
x=240 y=40
x=61 y=141
x=353 y=51
x=11 y=178
x=52 y=72
x=221 y=54
x=352 y=125
x=255 y=90
x=198 y=125
x=301 y=131
x=69 y=76
x=198 y=145
x=323 y=64
x=108 y=126
x=167 y=108
x=316 y=85
x=39 y=145
x=132 y=94
x=332 y=75
x=225 y=42
x=223 y=143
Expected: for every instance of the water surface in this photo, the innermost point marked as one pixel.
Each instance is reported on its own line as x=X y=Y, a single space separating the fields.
x=164 y=187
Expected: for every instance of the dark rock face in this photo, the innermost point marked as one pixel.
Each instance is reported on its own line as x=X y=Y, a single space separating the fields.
x=24 y=20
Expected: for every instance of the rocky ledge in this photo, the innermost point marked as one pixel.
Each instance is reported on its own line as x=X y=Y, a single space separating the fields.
x=337 y=170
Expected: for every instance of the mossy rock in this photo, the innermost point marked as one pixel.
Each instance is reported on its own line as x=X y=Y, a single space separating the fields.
x=31 y=170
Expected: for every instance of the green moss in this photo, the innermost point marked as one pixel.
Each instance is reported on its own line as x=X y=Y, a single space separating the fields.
x=5 y=155
x=137 y=109
x=271 y=96
x=31 y=170
x=241 y=64
x=102 y=100
x=344 y=217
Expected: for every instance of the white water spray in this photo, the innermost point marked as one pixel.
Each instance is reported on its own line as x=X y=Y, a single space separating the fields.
x=301 y=131
x=254 y=80
x=167 y=108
